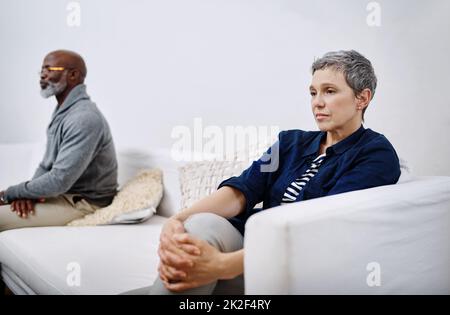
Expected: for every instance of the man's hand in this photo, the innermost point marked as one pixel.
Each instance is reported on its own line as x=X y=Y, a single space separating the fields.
x=24 y=207
x=1 y=199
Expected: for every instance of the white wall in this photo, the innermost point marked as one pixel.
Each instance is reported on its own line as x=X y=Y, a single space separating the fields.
x=153 y=65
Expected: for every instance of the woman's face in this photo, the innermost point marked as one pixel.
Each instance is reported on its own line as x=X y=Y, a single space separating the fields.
x=333 y=101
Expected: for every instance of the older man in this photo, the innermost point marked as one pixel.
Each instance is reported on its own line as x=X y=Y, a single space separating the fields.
x=78 y=173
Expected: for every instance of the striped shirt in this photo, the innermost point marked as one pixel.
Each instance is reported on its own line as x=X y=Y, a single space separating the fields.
x=293 y=190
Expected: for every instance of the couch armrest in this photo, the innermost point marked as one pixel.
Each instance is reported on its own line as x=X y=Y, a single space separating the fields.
x=386 y=240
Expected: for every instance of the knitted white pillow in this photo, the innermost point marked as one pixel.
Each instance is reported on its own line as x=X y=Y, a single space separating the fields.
x=134 y=203
x=200 y=179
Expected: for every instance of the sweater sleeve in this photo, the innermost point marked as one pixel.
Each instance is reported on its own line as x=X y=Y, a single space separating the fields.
x=39 y=171
x=77 y=150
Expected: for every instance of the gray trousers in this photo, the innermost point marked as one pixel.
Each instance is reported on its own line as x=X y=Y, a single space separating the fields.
x=221 y=234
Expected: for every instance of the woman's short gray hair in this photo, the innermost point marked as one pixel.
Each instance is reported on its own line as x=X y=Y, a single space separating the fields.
x=357 y=70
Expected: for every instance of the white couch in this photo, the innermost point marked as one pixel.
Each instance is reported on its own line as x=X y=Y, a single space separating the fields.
x=326 y=245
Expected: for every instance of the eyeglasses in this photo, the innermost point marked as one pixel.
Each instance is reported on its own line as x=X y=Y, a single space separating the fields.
x=51 y=69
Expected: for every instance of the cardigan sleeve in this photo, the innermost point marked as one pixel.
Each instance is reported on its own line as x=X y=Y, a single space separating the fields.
x=253 y=182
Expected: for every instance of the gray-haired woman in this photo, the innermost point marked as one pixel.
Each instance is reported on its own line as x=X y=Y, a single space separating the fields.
x=201 y=247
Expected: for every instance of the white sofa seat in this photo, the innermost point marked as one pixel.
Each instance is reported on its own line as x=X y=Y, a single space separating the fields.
x=111 y=259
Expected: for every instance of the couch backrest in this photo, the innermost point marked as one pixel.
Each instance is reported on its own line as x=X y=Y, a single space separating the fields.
x=19 y=161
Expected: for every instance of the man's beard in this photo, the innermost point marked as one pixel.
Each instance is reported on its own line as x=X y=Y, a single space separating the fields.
x=53 y=89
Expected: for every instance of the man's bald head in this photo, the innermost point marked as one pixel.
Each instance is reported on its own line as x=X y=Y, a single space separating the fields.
x=69 y=60
x=61 y=71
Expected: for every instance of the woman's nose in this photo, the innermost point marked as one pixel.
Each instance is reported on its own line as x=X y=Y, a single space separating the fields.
x=317 y=101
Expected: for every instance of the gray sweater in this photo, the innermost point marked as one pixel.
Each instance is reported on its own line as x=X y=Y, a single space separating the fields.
x=80 y=157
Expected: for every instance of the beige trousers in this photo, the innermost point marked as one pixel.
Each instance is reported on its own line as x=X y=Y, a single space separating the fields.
x=56 y=211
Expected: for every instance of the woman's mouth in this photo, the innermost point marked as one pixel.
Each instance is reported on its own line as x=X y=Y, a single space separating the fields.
x=321 y=116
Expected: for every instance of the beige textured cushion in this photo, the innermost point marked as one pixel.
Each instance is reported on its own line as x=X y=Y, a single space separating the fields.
x=135 y=202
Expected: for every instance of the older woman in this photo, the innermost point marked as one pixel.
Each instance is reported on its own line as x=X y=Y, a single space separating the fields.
x=201 y=248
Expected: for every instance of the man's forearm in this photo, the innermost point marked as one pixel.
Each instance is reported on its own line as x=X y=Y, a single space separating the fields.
x=47 y=185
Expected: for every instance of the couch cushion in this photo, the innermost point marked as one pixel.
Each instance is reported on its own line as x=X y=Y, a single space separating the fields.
x=406 y=174
x=201 y=178
x=111 y=259
x=142 y=192
x=132 y=160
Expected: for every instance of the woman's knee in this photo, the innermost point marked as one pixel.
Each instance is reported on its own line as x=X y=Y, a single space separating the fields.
x=200 y=221
x=214 y=229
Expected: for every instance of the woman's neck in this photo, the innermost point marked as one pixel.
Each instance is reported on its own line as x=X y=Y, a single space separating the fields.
x=334 y=136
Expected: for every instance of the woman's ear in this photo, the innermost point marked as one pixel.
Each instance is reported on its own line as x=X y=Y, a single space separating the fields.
x=363 y=99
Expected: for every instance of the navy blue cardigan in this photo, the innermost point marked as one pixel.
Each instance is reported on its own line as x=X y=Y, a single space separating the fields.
x=363 y=160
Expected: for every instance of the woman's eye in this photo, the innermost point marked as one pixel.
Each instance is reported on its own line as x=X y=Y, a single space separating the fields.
x=330 y=91
x=312 y=93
